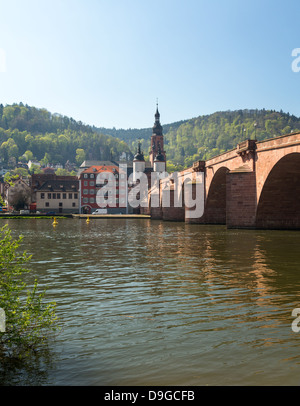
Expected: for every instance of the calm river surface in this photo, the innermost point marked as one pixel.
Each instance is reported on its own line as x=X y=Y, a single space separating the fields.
x=146 y=302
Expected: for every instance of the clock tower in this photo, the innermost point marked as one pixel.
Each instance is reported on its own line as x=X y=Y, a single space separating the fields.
x=157 y=140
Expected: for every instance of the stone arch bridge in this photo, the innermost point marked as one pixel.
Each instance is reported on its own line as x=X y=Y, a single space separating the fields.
x=255 y=185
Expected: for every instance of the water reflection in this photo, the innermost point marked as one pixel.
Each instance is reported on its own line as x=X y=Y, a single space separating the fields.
x=31 y=370
x=150 y=302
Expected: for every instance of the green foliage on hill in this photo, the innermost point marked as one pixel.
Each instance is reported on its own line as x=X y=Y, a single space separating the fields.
x=27 y=133
x=206 y=136
x=203 y=137
x=31 y=133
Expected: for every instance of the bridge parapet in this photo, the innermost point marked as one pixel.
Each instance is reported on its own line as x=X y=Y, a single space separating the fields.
x=246 y=147
x=283 y=141
x=198 y=166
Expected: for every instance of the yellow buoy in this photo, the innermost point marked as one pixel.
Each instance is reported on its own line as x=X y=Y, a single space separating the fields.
x=55 y=222
x=88 y=220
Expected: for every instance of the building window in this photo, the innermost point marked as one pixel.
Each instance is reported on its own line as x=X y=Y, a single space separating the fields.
x=85 y=176
x=42 y=195
x=60 y=204
x=47 y=204
x=73 y=205
x=54 y=196
x=92 y=183
x=92 y=200
x=49 y=195
x=75 y=195
x=64 y=195
x=92 y=176
x=85 y=200
x=71 y=195
x=58 y=195
x=92 y=191
x=85 y=183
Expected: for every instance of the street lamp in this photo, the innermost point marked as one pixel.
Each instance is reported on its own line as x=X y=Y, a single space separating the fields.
x=255 y=125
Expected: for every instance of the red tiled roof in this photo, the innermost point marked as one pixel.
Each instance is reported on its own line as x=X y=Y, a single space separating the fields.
x=102 y=168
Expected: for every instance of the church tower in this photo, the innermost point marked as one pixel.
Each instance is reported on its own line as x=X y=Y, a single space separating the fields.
x=157 y=140
x=138 y=162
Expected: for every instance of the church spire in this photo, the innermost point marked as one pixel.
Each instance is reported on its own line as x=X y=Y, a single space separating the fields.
x=157 y=115
x=157 y=139
x=157 y=128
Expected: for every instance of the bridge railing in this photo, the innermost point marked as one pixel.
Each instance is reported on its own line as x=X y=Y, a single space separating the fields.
x=246 y=146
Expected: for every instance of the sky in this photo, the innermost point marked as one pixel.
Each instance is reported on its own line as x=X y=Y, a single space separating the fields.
x=106 y=62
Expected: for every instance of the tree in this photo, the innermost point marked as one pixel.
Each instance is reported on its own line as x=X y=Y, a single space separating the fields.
x=22 y=172
x=28 y=320
x=64 y=172
x=22 y=159
x=35 y=169
x=80 y=156
x=19 y=198
x=12 y=162
x=47 y=159
x=28 y=155
x=9 y=177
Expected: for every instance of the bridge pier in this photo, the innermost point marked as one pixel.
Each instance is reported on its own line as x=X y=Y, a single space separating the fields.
x=241 y=199
x=172 y=213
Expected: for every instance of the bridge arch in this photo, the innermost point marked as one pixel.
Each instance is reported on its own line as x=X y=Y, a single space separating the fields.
x=279 y=204
x=215 y=205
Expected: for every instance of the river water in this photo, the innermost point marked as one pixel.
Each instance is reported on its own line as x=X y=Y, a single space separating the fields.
x=144 y=302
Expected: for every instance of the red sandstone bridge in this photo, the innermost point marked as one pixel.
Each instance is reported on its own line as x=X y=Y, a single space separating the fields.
x=255 y=185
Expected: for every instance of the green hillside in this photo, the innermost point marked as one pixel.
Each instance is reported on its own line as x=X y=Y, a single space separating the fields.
x=206 y=136
x=28 y=132
x=203 y=137
x=31 y=133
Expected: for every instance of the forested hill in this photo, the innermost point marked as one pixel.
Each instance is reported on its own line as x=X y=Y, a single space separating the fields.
x=206 y=136
x=132 y=135
x=31 y=133
x=28 y=132
x=203 y=137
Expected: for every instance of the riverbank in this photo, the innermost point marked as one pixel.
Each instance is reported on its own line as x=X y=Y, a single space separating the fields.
x=75 y=216
x=111 y=216
x=33 y=215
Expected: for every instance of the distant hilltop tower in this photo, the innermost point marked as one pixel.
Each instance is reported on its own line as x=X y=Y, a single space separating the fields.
x=157 y=142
